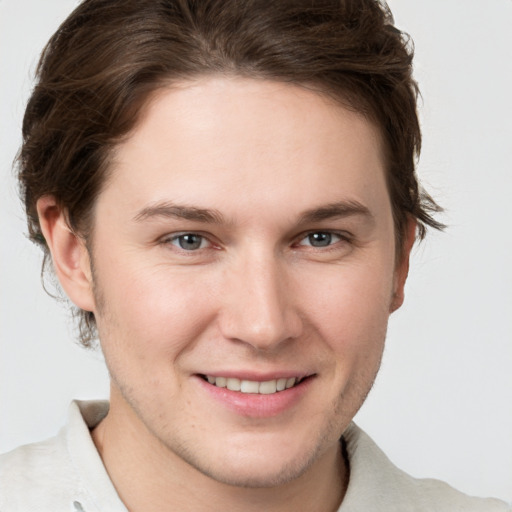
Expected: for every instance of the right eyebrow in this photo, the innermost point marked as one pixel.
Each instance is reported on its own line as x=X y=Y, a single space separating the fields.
x=173 y=211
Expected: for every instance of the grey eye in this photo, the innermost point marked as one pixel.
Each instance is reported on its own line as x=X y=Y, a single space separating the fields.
x=189 y=241
x=320 y=239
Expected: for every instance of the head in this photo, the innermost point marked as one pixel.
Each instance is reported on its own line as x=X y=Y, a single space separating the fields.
x=107 y=59
x=228 y=191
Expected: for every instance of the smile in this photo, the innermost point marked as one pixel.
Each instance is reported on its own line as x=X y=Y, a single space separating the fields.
x=251 y=386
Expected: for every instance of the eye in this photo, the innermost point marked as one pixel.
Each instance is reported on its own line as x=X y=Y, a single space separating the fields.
x=188 y=241
x=320 y=239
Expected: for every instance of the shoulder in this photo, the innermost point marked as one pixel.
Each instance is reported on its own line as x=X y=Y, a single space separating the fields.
x=61 y=473
x=36 y=475
x=377 y=484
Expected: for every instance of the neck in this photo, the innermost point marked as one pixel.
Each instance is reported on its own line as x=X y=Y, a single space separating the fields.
x=149 y=476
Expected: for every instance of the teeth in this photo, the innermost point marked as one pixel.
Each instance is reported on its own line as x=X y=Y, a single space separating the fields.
x=233 y=384
x=268 y=387
x=250 y=386
x=220 y=382
x=281 y=384
x=290 y=383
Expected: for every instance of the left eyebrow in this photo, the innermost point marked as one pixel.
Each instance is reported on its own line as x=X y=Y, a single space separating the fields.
x=337 y=210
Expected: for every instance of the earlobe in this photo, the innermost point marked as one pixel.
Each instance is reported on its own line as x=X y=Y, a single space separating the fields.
x=402 y=267
x=69 y=254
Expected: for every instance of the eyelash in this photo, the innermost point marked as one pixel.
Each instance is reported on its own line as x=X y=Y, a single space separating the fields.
x=168 y=240
x=342 y=237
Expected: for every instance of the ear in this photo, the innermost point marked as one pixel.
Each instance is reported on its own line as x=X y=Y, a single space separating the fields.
x=69 y=253
x=402 y=266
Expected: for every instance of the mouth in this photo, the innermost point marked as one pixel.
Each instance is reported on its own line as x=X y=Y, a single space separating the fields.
x=267 y=387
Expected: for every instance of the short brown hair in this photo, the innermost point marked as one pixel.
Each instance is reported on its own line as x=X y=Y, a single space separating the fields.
x=109 y=55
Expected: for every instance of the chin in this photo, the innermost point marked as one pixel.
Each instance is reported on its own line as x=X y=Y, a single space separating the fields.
x=255 y=463
x=262 y=473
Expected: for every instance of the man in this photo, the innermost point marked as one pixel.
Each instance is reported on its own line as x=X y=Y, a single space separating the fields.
x=227 y=192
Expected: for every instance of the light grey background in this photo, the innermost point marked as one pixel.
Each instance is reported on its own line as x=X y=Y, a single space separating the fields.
x=442 y=405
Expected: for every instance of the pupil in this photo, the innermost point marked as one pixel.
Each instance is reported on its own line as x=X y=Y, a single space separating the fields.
x=190 y=241
x=320 y=239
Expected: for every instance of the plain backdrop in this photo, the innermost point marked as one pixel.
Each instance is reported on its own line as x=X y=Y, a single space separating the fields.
x=442 y=404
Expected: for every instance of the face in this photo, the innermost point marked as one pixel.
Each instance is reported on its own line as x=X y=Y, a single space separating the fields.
x=244 y=239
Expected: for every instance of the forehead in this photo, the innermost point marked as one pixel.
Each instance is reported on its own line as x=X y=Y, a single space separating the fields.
x=265 y=142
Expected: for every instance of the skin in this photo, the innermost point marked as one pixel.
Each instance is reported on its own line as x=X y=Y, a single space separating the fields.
x=274 y=166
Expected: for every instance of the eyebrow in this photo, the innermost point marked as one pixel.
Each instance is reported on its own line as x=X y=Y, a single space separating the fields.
x=336 y=210
x=172 y=211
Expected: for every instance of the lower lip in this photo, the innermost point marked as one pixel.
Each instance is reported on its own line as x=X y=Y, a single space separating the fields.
x=256 y=405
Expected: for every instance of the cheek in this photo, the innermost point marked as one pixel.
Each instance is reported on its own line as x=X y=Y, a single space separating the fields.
x=350 y=309
x=150 y=314
x=352 y=297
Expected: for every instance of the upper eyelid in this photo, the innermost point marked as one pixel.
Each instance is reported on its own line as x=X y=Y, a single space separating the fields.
x=345 y=235
x=177 y=234
x=170 y=237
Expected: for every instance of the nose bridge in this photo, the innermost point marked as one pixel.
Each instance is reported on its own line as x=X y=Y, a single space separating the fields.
x=260 y=309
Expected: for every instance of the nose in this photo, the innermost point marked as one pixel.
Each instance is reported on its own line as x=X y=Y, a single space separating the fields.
x=259 y=304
